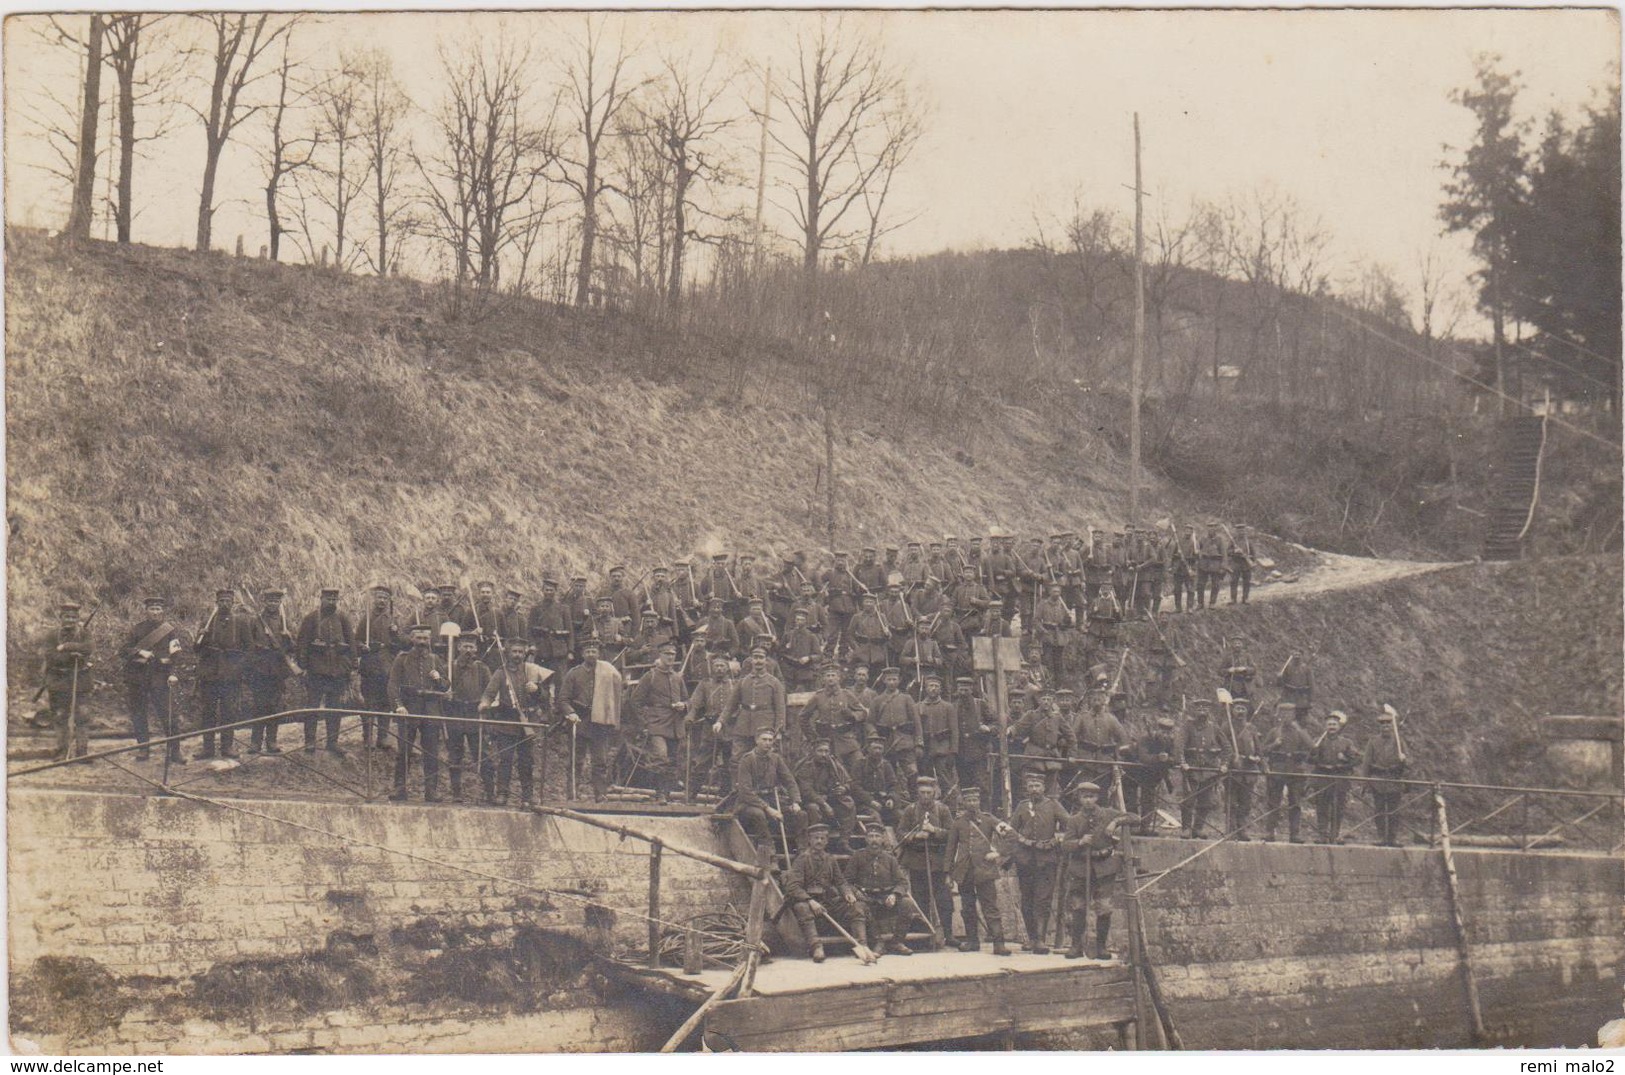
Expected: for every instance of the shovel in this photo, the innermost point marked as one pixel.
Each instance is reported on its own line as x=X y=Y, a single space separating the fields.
x=1227 y=701
x=859 y=949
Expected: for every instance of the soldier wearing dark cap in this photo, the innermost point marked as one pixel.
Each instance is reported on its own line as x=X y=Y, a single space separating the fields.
x=1287 y=754
x=757 y=704
x=1383 y=761
x=1093 y=864
x=660 y=598
x=1045 y=733
x=1036 y=824
x=149 y=654
x=808 y=601
x=1240 y=557
x=720 y=585
x=1099 y=737
x=517 y=694
x=1182 y=567
x=939 y=722
x=1198 y=752
x=469 y=677
x=839 y=587
x=815 y=885
x=659 y=702
x=721 y=637
x=380 y=640
x=1296 y=680
x=609 y=629
x=876 y=787
x=67 y=657
x=754 y=625
x=1334 y=755
x=1210 y=558
x=622 y=600
x=803 y=651
x=224 y=649
x=922 y=838
x=418 y=685
x=267 y=669
x=974 y=865
x=507 y=622
x=1236 y=672
x=326 y=648
x=883 y=885
x=651 y=635
x=871 y=574
x=869 y=633
x=826 y=791
x=766 y=791
x=971 y=599
x=896 y=716
x=1245 y=761
x=591 y=697
x=835 y=713
x=580 y=606
x=978 y=736
x=550 y=629
x=1153 y=756
x=711 y=749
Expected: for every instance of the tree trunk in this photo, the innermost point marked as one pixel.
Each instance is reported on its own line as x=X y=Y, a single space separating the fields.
x=679 y=226
x=589 y=232
x=84 y=180
x=273 y=218
x=205 y=205
x=126 y=151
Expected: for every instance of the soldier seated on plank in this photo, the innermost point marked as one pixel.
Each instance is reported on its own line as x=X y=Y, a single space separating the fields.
x=815 y=886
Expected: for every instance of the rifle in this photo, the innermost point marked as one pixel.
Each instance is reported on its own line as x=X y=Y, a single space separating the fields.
x=45 y=665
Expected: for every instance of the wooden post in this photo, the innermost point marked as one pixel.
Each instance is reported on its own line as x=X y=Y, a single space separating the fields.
x=755 y=917
x=1136 y=956
x=1475 y=1014
x=654 y=903
x=700 y=1013
x=693 y=956
x=1001 y=704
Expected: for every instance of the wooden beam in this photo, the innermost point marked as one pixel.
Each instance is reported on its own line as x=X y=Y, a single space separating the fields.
x=648 y=837
x=654 y=904
x=1475 y=1015
x=703 y=1010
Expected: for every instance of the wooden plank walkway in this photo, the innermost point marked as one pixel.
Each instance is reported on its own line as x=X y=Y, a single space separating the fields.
x=801 y=1006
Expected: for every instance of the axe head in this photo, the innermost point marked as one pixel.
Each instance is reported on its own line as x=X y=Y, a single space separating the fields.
x=1390 y=710
x=450 y=629
x=1224 y=697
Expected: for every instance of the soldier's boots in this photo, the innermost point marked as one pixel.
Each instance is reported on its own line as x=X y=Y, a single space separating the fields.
x=897 y=948
x=1103 y=930
x=817 y=953
x=1075 y=930
x=971 y=943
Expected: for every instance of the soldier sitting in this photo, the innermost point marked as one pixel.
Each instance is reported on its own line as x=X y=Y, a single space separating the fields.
x=876 y=786
x=880 y=880
x=815 y=885
x=826 y=791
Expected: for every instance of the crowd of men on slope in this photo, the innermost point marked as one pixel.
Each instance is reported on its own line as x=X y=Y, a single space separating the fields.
x=852 y=747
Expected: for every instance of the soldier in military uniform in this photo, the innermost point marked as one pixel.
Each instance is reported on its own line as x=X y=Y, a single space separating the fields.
x=921 y=657
x=883 y=886
x=379 y=640
x=1198 y=751
x=1240 y=558
x=1333 y=755
x=1210 y=560
x=326 y=647
x=1182 y=568
x=1104 y=616
x=640 y=651
x=705 y=708
x=417 y=686
x=895 y=715
x=876 y=787
x=970 y=599
x=978 y=737
x=610 y=630
x=922 y=839
x=224 y=649
x=974 y=866
x=757 y=705
x=1383 y=760
x=658 y=704
x=1044 y=733
x=815 y=885
x=596 y=716
x=826 y=792
x=754 y=624
x=266 y=671
x=1153 y=755
x=802 y=653
x=1296 y=681
x=807 y=602
x=1093 y=865
x=835 y=713
x=1035 y=825
x=939 y=724
x=868 y=634
x=765 y=790
x=840 y=586
x=1245 y=760
x=580 y=606
x=464 y=743
x=67 y=656
x=1286 y=753
x=870 y=573
x=517 y=693
x=1236 y=673
x=148 y=656
x=550 y=629
x=1050 y=626
x=1099 y=737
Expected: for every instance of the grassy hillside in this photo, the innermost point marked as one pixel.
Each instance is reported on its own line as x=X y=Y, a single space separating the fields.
x=177 y=422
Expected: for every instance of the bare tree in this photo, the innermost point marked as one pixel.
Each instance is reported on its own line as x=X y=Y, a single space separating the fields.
x=597 y=88
x=234 y=46
x=902 y=126
x=686 y=120
x=643 y=177
x=145 y=78
x=481 y=178
x=84 y=180
x=339 y=101
x=384 y=107
x=840 y=102
x=1279 y=253
x=291 y=149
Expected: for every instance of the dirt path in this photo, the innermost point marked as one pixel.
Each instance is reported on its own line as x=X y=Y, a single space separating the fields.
x=1336 y=571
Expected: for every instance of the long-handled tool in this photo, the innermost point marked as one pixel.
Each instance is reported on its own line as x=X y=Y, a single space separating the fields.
x=573 y=765
x=73 y=708
x=1399 y=747
x=859 y=949
x=1235 y=745
x=784 y=829
x=1059 y=903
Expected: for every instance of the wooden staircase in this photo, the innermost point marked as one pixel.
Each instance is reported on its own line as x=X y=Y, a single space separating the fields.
x=1517 y=487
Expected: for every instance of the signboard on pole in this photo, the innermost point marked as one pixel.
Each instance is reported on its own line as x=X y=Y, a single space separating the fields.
x=995 y=654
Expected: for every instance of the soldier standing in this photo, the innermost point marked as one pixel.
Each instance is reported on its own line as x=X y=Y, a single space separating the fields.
x=802 y=651
x=1333 y=756
x=1296 y=681
x=1182 y=565
x=1044 y=733
x=721 y=637
x=1241 y=563
x=835 y=713
x=1197 y=745
x=1099 y=737
x=978 y=737
x=417 y=687
x=659 y=702
x=148 y=656
x=939 y=723
x=970 y=599
x=550 y=629
x=223 y=648
x=840 y=585
x=326 y=647
x=1210 y=557
x=882 y=884
x=591 y=698
x=924 y=837
x=580 y=606
x=921 y=656
x=869 y=634
x=609 y=629
x=1236 y=673
x=1050 y=625
x=974 y=865
x=1383 y=761
x=896 y=716
x=815 y=885
x=705 y=708
x=464 y=741
x=267 y=670
x=871 y=575
x=817 y=618
x=1287 y=754
x=379 y=639
x=67 y=656
x=1245 y=760
x=517 y=694
x=1153 y=754
x=757 y=705
x=1036 y=824
x=1091 y=840
x=754 y=625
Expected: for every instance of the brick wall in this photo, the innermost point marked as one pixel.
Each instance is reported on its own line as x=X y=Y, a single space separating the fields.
x=1261 y=945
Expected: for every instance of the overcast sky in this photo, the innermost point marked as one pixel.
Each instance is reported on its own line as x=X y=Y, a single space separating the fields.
x=1348 y=111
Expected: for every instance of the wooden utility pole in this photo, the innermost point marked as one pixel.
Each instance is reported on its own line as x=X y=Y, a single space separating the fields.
x=761 y=165
x=1139 y=339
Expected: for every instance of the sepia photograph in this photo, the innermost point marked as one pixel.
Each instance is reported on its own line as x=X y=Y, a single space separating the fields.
x=803 y=531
